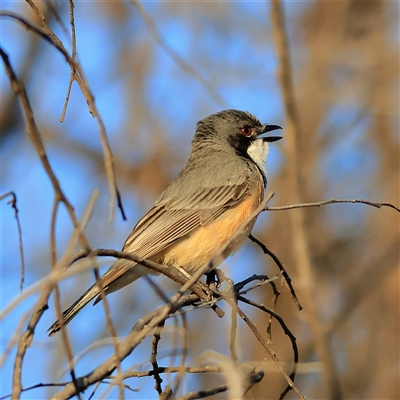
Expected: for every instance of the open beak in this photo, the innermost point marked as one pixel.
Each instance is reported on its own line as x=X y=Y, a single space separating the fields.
x=268 y=128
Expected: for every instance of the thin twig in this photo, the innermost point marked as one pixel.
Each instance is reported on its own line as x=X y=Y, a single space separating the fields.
x=50 y=4
x=37 y=386
x=13 y=203
x=270 y=352
x=286 y=276
x=47 y=31
x=153 y=357
x=111 y=329
x=333 y=201
x=263 y=280
x=72 y=76
x=170 y=370
x=287 y=332
x=53 y=252
x=201 y=394
x=253 y=378
x=183 y=64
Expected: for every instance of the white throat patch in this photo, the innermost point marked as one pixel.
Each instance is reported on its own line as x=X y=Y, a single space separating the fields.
x=258 y=151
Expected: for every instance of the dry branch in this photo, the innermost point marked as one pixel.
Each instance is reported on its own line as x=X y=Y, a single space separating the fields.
x=300 y=240
x=13 y=203
x=333 y=201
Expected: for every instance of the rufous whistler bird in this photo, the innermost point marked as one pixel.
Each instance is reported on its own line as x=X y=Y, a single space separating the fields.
x=220 y=186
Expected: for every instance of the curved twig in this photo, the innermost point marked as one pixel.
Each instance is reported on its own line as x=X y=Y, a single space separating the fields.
x=287 y=332
x=288 y=279
x=333 y=201
x=13 y=203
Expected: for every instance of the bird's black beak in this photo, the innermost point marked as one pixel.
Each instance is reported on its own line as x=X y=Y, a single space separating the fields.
x=268 y=128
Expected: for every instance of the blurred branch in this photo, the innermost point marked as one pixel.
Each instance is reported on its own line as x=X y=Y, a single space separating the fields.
x=188 y=68
x=185 y=351
x=299 y=232
x=333 y=201
x=53 y=251
x=14 y=339
x=233 y=328
x=170 y=370
x=13 y=203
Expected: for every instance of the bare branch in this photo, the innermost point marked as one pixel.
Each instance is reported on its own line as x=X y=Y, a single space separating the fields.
x=153 y=357
x=270 y=352
x=333 y=201
x=13 y=203
x=53 y=251
x=170 y=370
x=72 y=76
x=288 y=279
x=287 y=332
x=300 y=240
x=256 y=376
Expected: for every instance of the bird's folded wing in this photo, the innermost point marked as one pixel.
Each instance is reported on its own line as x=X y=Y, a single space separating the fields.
x=171 y=219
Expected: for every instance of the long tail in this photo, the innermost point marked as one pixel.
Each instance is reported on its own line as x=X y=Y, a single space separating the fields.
x=72 y=311
x=112 y=281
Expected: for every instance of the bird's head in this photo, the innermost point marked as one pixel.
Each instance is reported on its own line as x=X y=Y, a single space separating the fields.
x=239 y=130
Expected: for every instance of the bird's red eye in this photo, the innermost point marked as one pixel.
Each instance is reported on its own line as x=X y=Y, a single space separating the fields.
x=246 y=131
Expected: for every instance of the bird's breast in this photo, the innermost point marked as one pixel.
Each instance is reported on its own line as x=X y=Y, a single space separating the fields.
x=197 y=248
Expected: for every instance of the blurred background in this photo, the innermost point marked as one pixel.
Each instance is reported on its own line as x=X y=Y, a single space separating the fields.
x=155 y=70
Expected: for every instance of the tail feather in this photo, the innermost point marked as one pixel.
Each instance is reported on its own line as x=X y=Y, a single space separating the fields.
x=75 y=308
x=111 y=283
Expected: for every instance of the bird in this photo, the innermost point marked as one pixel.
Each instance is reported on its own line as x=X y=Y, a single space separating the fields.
x=220 y=186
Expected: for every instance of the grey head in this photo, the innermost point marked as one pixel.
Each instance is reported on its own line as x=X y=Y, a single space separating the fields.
x=239 y=131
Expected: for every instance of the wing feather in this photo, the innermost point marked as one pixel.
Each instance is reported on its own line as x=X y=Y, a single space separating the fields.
x=167 y=222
